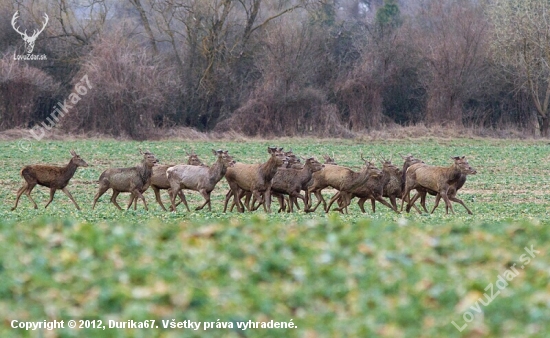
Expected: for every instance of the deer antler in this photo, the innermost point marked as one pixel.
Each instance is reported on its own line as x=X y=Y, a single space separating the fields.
x=43 y=26
x=13 y=22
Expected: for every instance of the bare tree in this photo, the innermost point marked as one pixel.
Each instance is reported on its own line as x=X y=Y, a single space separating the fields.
x=450 y=35
x=522 y=43
x=23 y=91
x=130 y=87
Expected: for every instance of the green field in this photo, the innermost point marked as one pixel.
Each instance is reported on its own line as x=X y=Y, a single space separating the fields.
x=355 y=275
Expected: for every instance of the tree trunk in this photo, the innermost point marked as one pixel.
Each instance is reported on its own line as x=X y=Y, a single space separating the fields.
x=545 y=123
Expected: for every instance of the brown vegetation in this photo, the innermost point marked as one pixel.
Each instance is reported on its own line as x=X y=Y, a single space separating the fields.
x=258 y=68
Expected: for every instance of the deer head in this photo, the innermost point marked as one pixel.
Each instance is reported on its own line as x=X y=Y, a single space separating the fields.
x=29 y=40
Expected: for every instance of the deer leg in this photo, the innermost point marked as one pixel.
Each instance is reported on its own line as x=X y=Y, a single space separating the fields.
x=28 y=193
x=332 y=200
x=19 y=193
x=310 y=209
x=380 y=199
x=183 y=200
x=448 y=204
x=345 y=202
x=416 y=208
x=52 y=193
x=267 y=199
x=66 y=191
x=175 y=189
x=295 y=200
x=454 y=199
x=156 y=190
x=206 y=199
x=102 y=189
x=411 y=202
x=361 y=203
x=226 y=200
x=133 y=198
x=393 y=202
x=406 y=195
x=436 y=204
x=423 y=200
x=236 y=198
x=140 y=195
x=113 y=198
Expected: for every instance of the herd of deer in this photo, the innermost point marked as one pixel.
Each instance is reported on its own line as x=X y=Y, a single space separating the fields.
x=283 y=176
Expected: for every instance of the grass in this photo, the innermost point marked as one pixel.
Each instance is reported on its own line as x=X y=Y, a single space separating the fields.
x=356 y=275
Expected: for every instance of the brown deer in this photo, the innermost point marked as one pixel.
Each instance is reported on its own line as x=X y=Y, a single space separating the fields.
x=159 y=181
x=372 y=189
x=307 y=194
x=442 y=180
x=291 y=181
x=451 y=193
x=255 y=178
x=198 y=178
x=132 y=180
x=339 y=178
x=49 y=176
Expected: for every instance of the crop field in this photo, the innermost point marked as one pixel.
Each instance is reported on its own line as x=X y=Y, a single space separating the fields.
x=377 y=274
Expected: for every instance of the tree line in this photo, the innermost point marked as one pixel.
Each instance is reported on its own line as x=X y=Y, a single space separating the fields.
x=283 y=67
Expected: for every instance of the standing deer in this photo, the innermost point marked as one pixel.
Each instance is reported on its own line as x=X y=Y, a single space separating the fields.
x=49 y=176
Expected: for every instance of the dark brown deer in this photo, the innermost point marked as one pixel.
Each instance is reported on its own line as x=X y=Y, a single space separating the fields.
x=50 y=176
x=198 y=178
x=441 y=180
x=291 y=181
x=132 y=180
x=372 y=189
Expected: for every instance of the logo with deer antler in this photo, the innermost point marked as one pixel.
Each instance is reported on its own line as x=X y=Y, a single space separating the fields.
x=29 y=40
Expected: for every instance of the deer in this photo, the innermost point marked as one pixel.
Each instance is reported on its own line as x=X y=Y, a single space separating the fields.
x=29 y=40
x=159 y=181
x=441 y=180
x=132 y=180
x=292 y=162
x=453 y=189
x=393 y=182
x=291 y=181
x=198 y=178
x=328 y=161
x=255 y=178
x=339 y=178
x=49 y=176
x=368 y=189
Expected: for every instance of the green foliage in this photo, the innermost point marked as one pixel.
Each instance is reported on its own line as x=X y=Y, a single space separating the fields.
x=388 y=16
x=353 y=275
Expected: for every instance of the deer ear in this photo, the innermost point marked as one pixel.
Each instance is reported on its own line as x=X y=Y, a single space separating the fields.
x=214 y=152
x=73 y=152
